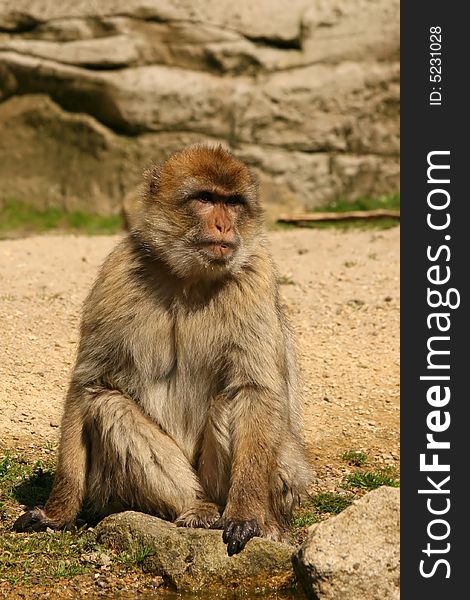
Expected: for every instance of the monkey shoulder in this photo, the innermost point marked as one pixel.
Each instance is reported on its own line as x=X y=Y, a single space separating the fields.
x=126 y=285
x=124 y=324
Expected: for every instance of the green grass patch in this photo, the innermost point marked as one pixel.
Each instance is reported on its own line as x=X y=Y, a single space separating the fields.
x=318 y=507
x=370 y=480
x=304 y=518
x=135 y=556
x=25 y=482
x=27 y=558
x=353 y=457
x=390 y=201
x=37 y=558
x=331 y=503
x=17 y=219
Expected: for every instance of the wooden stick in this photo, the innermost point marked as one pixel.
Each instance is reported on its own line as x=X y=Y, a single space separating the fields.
x=378 y=213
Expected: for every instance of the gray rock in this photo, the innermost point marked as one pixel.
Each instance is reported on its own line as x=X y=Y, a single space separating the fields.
x=355 y=555
x=307 y=91
x=51 y=157
x=151 y=98
x=196 y=559
x=54 y=158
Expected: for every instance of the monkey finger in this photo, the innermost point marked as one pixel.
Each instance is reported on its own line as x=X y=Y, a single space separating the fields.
x=228 y=530
x=237 y=534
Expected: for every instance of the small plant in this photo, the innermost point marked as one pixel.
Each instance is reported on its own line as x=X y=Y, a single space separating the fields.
x=355 y=303
x=349 y=263
x=43 y=555
x=354 y=457
x=285 y=280
x=42 y=559
x=136 y=555
x=25 y=482
x=49 y=446
x=68 y=569
x=12 y=467
x=370 y=480
x=304 y=519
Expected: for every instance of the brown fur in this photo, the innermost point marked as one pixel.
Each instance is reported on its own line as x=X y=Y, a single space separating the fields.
x=184 y=401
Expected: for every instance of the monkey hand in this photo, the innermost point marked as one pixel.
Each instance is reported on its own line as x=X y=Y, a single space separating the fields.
x=34 y=520
x=237 y=533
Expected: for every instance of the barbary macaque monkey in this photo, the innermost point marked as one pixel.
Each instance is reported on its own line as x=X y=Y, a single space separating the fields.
x=183 y=402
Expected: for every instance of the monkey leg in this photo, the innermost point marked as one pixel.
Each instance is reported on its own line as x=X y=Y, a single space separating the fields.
x=200 y=514
x=133 y=462
x=213 y=469
x=113 y=452
x=214 y=463
x=289 y=482
x=68 y=489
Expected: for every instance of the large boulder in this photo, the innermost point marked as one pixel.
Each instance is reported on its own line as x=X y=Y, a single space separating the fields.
x=196 y=559
x=355 y=555
x=307 y=91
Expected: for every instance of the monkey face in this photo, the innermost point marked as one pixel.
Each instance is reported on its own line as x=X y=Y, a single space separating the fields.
x=215 y=237
x=203 y=212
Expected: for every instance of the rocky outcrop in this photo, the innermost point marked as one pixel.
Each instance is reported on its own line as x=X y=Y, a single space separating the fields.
x=196 y=559
x=356 y=555
x=306 y=92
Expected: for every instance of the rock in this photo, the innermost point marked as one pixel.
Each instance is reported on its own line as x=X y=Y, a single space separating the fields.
x=308 y=92
x=150 y=98
x=13 y=20
x=355 y=555
x=106 y=52
x=315 y=109
x=280 y=110
x=196 y=559
x=54 y=158
x=51 y=157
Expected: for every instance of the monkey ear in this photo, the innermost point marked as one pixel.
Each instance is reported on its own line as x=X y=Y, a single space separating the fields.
x=254 y=183
x=152 y=179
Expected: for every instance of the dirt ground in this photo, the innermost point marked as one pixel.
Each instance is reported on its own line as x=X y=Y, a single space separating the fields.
x=341 y=290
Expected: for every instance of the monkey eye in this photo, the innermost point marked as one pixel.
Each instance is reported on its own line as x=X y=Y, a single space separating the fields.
x=235 y=200
x=205 y=197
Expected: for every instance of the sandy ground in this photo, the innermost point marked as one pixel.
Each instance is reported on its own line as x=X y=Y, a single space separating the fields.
x=341 y=290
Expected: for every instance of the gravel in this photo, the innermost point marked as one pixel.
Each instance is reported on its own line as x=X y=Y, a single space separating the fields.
x=341 y=290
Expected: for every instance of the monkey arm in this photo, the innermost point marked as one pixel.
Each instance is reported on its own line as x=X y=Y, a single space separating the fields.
x=255 y=439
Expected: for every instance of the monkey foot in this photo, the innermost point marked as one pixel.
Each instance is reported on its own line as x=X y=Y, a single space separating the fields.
x=202 y=514
x=34 y=520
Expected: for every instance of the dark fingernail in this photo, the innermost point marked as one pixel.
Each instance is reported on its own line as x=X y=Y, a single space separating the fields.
x=233 y=547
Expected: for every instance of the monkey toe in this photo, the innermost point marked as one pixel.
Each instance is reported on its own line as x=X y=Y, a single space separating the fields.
x=218 y=524
x=203 y=515
x=238 y=533
x=33 y=520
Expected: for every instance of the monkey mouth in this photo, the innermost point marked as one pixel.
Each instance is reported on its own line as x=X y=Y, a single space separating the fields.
x=219 y=251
